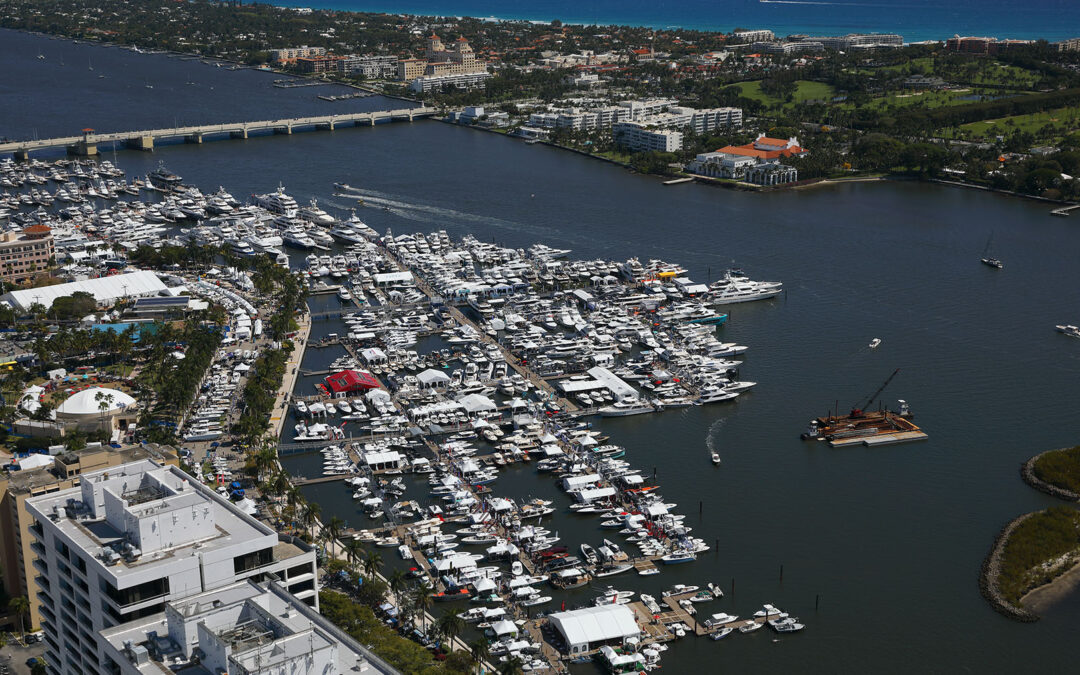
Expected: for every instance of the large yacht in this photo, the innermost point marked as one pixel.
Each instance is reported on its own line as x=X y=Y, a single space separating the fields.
x=278 y=202
x=314 y=214
x=297 y=238
x=353 y=231
x=162 y=178
x=736 y=287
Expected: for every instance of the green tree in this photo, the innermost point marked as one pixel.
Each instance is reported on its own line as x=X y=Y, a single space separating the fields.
x=450 y=625
x=20 y=606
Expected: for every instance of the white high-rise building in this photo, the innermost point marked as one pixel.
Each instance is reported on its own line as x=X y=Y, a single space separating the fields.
x=134 y=537
x=242 y=629
x=637 y=137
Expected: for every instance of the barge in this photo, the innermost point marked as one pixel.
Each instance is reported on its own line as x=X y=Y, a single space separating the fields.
x=881 y=427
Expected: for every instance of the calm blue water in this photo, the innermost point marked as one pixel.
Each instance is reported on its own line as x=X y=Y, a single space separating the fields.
x=914 y=19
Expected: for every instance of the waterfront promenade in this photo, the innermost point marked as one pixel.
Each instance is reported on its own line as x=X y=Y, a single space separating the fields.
x=292 y=371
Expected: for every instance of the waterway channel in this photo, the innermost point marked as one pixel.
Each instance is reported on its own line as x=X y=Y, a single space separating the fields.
x=889 y=540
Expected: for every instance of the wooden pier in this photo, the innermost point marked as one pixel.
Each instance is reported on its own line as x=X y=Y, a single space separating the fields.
x=300 y=481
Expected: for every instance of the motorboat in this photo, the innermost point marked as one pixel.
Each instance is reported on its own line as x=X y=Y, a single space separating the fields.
x=874 y=343
x=720 y=619
x=625 y=408
x=722 y=633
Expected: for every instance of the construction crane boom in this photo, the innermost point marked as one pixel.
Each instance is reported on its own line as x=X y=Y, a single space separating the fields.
x=857 y=409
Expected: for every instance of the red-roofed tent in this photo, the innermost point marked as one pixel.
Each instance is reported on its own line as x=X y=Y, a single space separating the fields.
x=349 y=381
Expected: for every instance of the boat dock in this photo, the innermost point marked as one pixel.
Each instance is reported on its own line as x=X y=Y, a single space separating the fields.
x=344 y=97
x=1064 y=210
x=293 y=84
x=300 y=481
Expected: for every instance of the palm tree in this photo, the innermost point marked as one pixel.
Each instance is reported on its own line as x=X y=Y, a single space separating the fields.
x=480 y=653
x=333 y=531
x=353 y=550
x=397 y=582
x=20 y=605
x=372 y=563
x=510 y=667
x=422 y=600
x=309 y=516
x=450 y=625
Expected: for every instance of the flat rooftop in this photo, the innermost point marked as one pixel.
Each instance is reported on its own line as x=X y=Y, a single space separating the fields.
x=273 y=628
x=149 y=491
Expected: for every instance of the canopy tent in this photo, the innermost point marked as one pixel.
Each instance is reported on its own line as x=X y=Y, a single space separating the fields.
x=349 y=381
x=34 y=461
x=583 y=628
x=504 y=628
x=433 y=378
x=474 y=403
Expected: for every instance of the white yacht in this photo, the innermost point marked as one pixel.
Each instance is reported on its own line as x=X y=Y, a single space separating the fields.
x=736 y=287
x=297 y=238
x=278 y=202
x=313 y=213
x=625 y=408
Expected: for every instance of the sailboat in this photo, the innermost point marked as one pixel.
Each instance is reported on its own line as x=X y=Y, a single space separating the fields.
x=90 y=64
x=987 y=258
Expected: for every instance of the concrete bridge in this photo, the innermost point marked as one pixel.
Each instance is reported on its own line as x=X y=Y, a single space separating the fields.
x=87 y=143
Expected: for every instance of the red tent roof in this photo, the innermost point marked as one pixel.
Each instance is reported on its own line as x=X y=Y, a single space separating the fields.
x=351 y=380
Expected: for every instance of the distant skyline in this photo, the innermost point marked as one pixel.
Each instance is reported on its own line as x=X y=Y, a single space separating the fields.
x=915 y=20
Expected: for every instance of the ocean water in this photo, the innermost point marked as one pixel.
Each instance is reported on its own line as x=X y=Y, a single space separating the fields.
x=914 y=19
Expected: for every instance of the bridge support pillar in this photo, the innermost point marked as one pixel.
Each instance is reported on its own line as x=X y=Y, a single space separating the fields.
x=410 y=116
x=287 y=130
x=194 y=138
x=22 y=155
x=83 y=149
x=141 y=143
x=242 y=133
x=371 y=120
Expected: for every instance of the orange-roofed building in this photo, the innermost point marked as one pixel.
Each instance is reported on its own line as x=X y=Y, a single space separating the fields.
x=757 y=162
x=764 y=147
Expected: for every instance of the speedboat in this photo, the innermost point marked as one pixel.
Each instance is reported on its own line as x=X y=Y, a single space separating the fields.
x=874 y=343
x=722 y=633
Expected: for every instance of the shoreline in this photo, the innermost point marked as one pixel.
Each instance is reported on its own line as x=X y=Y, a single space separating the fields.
x=1041 y=598
x=991 y=569
x=673 y=25
x=1027 y=473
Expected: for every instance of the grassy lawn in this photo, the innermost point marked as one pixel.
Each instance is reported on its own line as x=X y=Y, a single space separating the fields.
x=1001 y=74
x=805 y=91
x=1063 y=120
x=614 y=156
x=927 y=99
x=119 y=369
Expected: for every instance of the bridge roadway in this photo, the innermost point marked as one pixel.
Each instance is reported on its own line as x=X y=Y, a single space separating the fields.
x=86 y=144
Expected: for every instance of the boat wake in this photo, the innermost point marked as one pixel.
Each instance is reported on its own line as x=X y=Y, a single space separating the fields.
x=712 y=432
x=432 y=214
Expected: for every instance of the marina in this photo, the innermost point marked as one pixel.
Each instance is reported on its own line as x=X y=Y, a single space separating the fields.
x=798 y=503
